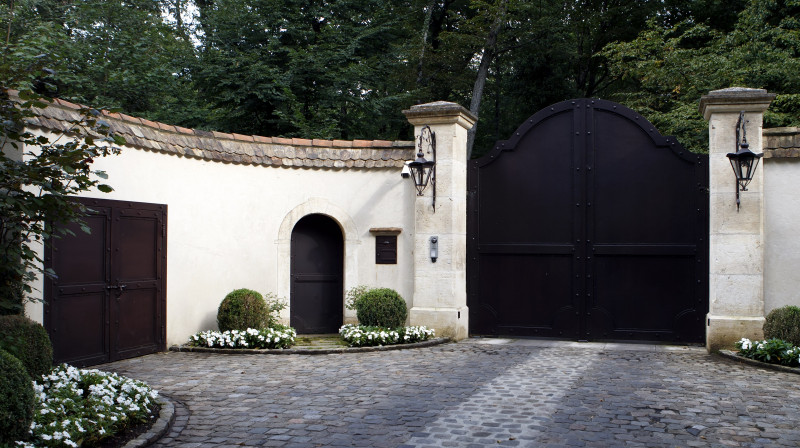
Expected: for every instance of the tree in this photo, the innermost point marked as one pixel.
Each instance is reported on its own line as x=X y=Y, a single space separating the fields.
x=38 y=173
x=670 y=68
x=316 y=69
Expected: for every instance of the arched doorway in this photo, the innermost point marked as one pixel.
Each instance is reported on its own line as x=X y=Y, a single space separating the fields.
x=317 y=261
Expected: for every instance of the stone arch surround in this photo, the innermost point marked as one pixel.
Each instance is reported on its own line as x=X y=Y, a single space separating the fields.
x=284 y=241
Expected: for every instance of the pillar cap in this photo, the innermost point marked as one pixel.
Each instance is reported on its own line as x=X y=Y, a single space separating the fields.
x=735 y=100
x=440 y=112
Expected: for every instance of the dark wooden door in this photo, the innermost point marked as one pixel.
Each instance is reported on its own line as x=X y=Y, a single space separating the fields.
x=588 y=224
x=317 y=261
x=108 y=301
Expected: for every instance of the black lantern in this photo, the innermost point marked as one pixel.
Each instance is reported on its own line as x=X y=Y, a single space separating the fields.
x=744 y=162
x=423 y=171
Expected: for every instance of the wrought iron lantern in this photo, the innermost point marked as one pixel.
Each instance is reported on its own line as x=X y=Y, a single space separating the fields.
x=423 y=171
x=744 y=162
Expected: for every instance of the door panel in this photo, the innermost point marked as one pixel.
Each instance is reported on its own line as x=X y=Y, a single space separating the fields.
x=317 y=262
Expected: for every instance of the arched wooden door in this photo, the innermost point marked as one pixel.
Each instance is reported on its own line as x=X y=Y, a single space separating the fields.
x=588 y=224
x=317 y=296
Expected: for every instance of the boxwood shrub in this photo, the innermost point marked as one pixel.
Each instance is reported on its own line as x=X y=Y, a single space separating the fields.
x=783 y=323
x=27 y=341
x=16 y=399
x=242 y=309
x=381 y=307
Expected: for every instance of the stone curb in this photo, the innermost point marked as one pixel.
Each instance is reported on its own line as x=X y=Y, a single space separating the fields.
x=734 y=356
x=308 y=351
x=165 y=419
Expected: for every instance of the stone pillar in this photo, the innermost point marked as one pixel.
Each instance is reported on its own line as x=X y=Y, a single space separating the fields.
x=736 y=240
x=440 y=288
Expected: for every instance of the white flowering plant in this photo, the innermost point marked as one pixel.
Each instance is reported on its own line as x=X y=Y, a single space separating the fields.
x=82 y=407
x=278 y=336
x=773 y=351
x=364 y=336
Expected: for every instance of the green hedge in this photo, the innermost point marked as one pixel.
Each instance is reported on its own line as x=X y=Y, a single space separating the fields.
x=381 y=307
x=27 y=341
x=16 y=399
x=242 y=309
x=783 y=323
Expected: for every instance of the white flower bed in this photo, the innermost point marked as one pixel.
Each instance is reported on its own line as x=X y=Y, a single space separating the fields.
x=362 y=336
x=250 y=338
x=78 y=406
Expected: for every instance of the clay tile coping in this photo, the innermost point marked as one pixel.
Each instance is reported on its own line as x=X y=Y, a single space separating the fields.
x=362 y=143
x=302 y=142
x=244 y=138
x=320 y=142
x=166 y=127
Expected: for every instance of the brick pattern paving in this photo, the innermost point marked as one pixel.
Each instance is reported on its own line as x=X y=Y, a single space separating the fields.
x=473 y=394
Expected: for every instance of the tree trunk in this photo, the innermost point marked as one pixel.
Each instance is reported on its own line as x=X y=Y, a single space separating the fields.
x=425 y=27
x=483 y=71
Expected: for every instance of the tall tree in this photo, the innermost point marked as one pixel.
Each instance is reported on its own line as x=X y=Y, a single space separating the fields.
x=670 y=68
x=325 y=69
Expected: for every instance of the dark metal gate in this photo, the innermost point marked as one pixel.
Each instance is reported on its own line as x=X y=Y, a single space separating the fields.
x=588 y=224
x=109 y=299
x=317 y=296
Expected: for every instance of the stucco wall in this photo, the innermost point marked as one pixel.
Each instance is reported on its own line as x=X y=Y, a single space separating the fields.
x=782 y=216
x=229 y=225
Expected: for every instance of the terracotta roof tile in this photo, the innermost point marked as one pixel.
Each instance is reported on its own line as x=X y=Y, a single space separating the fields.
x=343 y=143
x=238 y=148
x=244 y=138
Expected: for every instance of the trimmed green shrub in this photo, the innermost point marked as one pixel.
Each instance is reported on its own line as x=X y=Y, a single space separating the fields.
x=783 y=323
x=27 y=341
x=381 y=307
x=242 y=309
x=16 y=399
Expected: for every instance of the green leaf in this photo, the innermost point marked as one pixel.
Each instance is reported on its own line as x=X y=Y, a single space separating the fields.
x=105 y=188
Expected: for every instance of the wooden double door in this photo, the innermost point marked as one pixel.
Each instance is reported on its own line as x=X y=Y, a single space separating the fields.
x=108 y=299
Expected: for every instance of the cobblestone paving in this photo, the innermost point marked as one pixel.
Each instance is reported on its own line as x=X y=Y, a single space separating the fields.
x=476 y=393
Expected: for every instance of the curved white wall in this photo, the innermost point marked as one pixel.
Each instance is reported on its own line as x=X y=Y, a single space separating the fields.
x=229 y=226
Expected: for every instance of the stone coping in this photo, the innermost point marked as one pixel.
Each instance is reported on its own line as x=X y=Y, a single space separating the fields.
x=230 y=147
x=308 y=351
x=165 y=419
x=730 y=354
x=781 y=143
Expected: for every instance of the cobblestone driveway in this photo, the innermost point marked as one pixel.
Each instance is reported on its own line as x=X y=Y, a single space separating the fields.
x=476 y=393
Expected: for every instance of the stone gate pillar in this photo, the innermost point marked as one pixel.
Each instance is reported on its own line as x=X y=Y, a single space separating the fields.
x=440 y=287
x=736 y=241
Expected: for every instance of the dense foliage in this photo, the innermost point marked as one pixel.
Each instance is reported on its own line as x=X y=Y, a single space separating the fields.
x=381 y=307
x=27 y=341
x=345 y=69
x=783 y=323
x=39 y=173
x=773 y=351
x=16 y=399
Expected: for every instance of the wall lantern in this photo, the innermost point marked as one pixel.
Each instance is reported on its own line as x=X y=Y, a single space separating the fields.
x=424 y=171
x=744 y=162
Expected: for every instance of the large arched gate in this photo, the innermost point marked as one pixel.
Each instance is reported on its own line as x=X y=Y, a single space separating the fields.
x=588 y=224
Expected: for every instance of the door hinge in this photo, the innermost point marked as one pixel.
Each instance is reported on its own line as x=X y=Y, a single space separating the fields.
x=163 y=230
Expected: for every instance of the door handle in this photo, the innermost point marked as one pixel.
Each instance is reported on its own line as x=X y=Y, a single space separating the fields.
x=119 y=286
